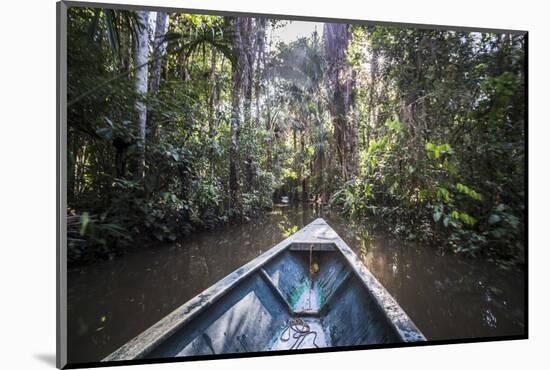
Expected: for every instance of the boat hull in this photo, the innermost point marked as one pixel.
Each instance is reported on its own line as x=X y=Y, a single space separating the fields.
x=309 y=291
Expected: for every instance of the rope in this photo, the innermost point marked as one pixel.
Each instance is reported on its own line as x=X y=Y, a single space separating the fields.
x=297 y=329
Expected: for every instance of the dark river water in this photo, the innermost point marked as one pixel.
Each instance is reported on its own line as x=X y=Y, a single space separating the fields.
x=447 y=296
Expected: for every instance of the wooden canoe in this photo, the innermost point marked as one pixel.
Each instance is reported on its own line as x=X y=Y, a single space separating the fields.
x=310 y=290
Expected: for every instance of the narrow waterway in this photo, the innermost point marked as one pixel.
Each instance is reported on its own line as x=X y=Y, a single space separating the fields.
x=447 y=296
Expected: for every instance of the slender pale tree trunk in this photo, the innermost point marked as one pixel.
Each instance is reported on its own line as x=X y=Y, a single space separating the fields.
x=260 y=64
x=159 y=49
x=269 y=116
x=302 y=151
x=320 y=154
x=140 y=85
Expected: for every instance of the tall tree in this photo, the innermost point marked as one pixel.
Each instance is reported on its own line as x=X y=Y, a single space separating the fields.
x=159 y=49
x=249 y=42
x=238 y=74
x=260 y=63
x=340 y=88
x=140 y=84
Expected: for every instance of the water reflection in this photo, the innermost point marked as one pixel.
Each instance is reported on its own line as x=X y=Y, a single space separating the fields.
x=446 y=296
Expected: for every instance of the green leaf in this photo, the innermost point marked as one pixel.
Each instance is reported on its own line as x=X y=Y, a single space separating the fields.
x=394 y=125
x=513 y=221
x=105 y=132
x=467 y=219
x=468 y=191
x=437 y=215
x=85 y=220
x=112 y=32
x=443 y=194
x=498 y=233
x=494 y=219
x=434 y=151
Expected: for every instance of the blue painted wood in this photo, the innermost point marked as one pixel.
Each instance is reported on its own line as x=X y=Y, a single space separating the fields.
x=249 y=310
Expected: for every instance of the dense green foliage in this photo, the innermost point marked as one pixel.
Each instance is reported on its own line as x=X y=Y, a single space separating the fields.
x=445 y=154
x=418 y=129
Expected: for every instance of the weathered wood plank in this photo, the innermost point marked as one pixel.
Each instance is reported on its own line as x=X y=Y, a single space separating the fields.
x=145 y=342
x=318 y=236
x=404 y=326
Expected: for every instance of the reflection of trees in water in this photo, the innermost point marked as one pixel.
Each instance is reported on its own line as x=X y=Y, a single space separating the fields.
x=447 y=295
x=198 y=268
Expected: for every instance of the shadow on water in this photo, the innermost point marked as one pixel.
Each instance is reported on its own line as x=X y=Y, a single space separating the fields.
x=447 y=296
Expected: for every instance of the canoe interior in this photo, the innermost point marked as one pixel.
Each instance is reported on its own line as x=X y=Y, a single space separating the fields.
x=254 y=315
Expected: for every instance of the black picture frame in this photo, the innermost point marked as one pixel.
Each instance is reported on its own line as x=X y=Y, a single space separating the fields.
x=61 y=261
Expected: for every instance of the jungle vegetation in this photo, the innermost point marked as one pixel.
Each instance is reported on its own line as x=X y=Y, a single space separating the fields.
x=180 y=122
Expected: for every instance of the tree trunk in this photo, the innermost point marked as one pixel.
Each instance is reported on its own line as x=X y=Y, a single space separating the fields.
x=301 y=164
x=336 y=40
x=249 y=54
x=236 y=90
x=260 y=63
x=140 y=86
x=159 y=49
x=269 y=138
x=121 y=147
x=269 y=117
